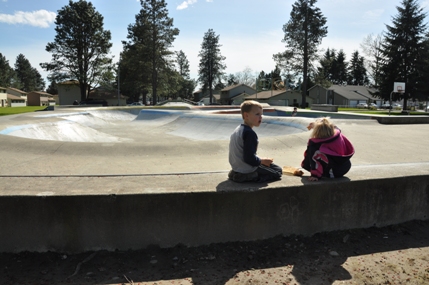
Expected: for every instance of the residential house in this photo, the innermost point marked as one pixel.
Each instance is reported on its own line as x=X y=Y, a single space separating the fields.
x=227 y=94
x=16 y=97
x=343 y=95
x=200 y=96
x=40 y=98
x=279 y=97
x=3 y=97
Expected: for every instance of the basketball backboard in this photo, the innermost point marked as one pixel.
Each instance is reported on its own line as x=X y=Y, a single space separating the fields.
x=399 y=87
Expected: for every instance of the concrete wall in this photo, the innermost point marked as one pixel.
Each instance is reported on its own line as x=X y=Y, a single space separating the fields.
x=230 y=212
x=324 y=107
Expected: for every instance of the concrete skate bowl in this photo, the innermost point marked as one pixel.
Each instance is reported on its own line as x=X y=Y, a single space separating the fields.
x=116 y=141
x=102 y=125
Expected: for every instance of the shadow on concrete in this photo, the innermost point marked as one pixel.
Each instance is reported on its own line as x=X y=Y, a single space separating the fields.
x=280 y=260
x=229 y=185
x=304 y=180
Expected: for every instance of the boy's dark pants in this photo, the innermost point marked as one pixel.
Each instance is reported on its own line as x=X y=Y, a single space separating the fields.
x=269 y=173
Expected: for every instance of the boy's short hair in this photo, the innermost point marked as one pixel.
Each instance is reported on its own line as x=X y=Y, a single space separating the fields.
x=247 y=106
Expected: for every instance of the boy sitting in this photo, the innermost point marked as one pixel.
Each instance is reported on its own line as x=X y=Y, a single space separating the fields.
x=246 y=165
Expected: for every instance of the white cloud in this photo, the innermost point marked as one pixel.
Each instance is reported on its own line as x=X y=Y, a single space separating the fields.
x=186 y=4
x=372 y=16
x=40 y=18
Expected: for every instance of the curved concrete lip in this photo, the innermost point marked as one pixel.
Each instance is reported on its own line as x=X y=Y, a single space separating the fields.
x=122 y=141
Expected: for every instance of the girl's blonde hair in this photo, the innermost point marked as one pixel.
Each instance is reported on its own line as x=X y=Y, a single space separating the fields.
x=323 y=128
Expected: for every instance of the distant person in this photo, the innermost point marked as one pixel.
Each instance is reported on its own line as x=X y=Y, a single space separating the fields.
x=328 y=151
x=75 y=102
x=243 y=145
x=295 y=111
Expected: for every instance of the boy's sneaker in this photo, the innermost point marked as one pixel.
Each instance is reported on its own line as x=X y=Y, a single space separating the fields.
x=243 y=177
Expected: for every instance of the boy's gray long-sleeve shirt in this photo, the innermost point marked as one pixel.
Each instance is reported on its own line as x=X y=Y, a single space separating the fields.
x=243 y=145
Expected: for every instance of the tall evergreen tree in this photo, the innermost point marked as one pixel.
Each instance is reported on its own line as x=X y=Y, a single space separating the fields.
x=183 y=64
x=152 y=36
x=28 y=77
x=339 y=68
x=403 y=49
x=52 y=88
x=422 y=86
x=38 y=80
x=303 y=34
x=211 y=65
x=357 y=71
x=7 y=74
x=231 y=80
x=186 y=84
x=134 y=72
x=326 y=65
x=81 y=45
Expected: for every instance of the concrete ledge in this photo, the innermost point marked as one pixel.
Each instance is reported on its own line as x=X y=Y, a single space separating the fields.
x=76 y=214
x=402 y=119
x=324 y=107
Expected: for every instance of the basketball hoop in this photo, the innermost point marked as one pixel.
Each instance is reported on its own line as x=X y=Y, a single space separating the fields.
x=398 y=87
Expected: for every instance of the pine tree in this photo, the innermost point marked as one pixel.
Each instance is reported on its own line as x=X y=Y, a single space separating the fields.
x=357 y=71
x=29 y=78
x=183 y=64
x=326 y=65
x=81 y=45
x=211 y=63
x=52 y=88
x=7 y=74
x=186 y=84
x=422 y=93
x=339 y=68
x=303 y=34
x=403 y=49
x=151 y=38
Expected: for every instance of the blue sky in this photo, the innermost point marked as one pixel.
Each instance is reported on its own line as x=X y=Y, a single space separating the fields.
x=250 y=31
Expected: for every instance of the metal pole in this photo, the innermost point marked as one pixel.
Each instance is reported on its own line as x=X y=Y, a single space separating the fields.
x=119 y=79
x=390 y=102
x=257 y=85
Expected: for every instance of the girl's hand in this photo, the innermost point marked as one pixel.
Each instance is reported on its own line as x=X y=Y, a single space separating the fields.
x=311 y=178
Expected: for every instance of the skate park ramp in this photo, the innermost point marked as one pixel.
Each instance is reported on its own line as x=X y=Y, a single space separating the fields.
x=96 y=126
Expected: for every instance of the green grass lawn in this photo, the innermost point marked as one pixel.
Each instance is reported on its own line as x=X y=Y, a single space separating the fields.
x=18 y=110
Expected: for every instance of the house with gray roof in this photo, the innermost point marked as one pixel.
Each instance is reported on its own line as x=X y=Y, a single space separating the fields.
x=227 y=94
x=274 y=98
x=16 y=97
x=199 y=95
x=343 y=95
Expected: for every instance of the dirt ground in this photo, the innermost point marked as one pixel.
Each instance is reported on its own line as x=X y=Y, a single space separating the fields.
x=391 y=255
